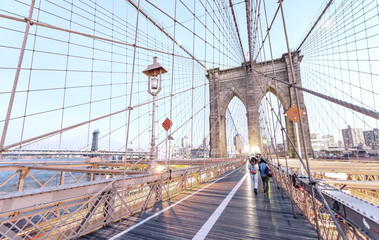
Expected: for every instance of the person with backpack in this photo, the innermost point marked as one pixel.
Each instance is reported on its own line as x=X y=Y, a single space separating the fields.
x=254 y=175
x=263 y=171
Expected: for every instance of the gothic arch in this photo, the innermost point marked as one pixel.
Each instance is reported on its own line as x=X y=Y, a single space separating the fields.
x=282 y=99
x=250 y=87
x=228 y=98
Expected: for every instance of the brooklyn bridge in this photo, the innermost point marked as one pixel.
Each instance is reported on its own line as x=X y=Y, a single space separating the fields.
x=137 y=119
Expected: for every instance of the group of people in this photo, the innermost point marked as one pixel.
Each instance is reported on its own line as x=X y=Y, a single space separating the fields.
x=257 y=163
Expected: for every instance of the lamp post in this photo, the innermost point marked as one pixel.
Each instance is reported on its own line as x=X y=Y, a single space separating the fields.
x=154 y=73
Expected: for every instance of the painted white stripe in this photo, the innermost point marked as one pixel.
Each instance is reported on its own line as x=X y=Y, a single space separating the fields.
x=167 y=208
x=203 y=232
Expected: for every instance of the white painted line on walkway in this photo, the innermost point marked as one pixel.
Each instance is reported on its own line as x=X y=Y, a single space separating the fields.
x=167 y=208
x=203 y=232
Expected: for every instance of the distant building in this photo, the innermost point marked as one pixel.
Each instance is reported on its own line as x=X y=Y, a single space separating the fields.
x=352 y=137
x=330 y=142
x=200 y=153
x=315 y=135
x=239 y=142
x=177 y=152
x=95 y=141
x=231 y=150
x=186 y=143
x=206 y=144
x=281 y=148
x=372 y=138
x=318 y=143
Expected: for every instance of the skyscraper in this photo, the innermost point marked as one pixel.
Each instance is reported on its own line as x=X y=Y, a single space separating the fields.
x=186 y=143
x=352 y=137
x=372 y=138
x=239 y=142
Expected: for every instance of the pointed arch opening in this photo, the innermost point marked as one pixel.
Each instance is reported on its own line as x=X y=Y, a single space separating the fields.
x=271 y=112
x=236 y=126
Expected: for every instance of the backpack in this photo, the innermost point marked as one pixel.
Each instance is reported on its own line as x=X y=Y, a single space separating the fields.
x=268 y=171
x=253 y=170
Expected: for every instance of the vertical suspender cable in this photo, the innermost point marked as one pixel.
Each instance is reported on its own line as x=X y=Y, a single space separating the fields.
x=205 y=57
x=17 y=75
x=172 y=81
x=301 y=123
x=92 y=77
x=65 y=82
x=272 y=132
x=29 y=83
x=111 y=82
x=280 y=116
x=130 y=104
x=193 y=75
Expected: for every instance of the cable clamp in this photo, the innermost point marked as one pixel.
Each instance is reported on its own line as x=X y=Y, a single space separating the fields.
x=27 y=20
x=130 y=108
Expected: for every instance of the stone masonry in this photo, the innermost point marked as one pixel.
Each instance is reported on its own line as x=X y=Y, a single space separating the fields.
x=250 y=87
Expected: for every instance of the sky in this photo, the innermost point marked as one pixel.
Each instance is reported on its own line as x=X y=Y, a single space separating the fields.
x=67 y=78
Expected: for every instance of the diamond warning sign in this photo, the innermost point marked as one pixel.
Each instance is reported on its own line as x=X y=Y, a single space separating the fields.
x=293 y=114
x=167 y=124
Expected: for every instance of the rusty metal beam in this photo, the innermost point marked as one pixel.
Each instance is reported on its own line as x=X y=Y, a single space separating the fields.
x=99 y=171
x=42 y=162
x=23 y=173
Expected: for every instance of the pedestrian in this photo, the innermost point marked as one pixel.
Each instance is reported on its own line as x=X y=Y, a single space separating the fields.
x=254 y=175
x=262 y=170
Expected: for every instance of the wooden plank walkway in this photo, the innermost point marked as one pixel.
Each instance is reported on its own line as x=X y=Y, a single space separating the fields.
x=245 y=216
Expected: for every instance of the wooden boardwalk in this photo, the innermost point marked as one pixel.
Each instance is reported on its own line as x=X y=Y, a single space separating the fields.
x=245 y=216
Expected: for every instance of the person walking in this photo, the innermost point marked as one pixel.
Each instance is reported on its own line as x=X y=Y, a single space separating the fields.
x=262 y=171
x=254 y=174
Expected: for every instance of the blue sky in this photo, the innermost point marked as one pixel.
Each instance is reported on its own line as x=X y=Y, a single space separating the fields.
x=68 y=78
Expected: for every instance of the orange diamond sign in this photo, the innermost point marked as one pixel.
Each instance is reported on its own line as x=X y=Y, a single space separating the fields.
x=293 y=114
x=167 y=124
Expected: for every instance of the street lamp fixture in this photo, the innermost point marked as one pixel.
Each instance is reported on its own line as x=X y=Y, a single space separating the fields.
x=154 y=73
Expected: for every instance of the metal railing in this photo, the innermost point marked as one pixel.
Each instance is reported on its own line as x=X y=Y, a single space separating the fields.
x=328 y=229
x=69 y=212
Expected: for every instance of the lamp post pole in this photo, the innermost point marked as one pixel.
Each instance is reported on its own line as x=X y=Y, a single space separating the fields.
x=154 y=87
x=152 y=152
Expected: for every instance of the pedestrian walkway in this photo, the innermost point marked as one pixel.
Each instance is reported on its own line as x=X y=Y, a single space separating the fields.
x=223 y=209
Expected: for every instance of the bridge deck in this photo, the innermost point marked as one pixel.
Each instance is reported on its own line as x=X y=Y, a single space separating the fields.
x=246 y=216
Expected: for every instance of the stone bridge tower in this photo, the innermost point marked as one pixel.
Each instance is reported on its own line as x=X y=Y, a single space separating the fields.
x=250 y=87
